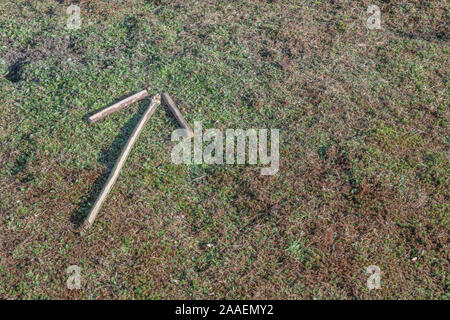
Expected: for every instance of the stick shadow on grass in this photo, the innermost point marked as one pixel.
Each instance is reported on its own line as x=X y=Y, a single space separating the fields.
x=108 y=157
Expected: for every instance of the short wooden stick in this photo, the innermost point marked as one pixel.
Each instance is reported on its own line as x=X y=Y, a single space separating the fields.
x=118 y=106
x=177 y=114
x=156 y=100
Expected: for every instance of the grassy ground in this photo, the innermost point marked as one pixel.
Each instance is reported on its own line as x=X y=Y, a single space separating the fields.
x=364 y=174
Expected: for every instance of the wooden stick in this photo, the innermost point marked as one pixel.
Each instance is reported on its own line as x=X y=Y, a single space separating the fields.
x=177 y=114
x=156 y=100
x=118 y=106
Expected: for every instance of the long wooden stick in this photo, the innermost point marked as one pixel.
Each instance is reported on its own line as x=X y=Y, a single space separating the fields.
x=118 y=106
x=156 y=100
x=177 y=114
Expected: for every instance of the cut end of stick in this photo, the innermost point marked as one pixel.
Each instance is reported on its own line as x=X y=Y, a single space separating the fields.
x=157 y=98
x=86 y=225
x=190 y=134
